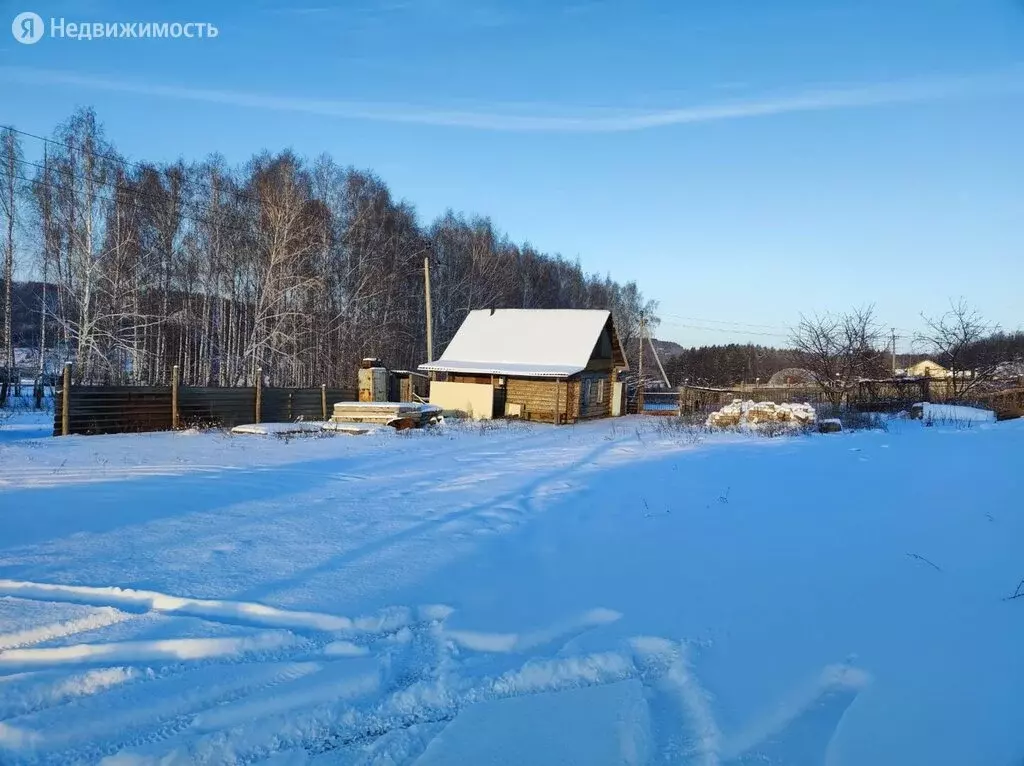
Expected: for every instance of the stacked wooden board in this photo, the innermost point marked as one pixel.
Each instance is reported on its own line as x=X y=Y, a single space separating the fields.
x=397 y=414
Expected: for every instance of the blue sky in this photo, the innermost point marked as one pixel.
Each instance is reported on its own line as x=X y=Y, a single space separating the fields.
x=743 y=160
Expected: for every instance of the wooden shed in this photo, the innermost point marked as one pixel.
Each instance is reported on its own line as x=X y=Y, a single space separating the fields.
x=551 y=365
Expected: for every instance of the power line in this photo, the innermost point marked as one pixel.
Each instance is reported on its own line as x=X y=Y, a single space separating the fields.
x=119 y=188
x=763 y=328
x=135 y=205
x=733 y=331
x=120 y=160
x=725 y=321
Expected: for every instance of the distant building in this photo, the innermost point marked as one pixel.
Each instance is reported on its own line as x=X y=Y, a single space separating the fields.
x=926 y=368
x=1009 y=370
x=792 y=376
x=552 y=365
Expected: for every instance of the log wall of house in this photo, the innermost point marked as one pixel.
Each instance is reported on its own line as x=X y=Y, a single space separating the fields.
x=600 y=404
x=458 y=377
x=538 y=396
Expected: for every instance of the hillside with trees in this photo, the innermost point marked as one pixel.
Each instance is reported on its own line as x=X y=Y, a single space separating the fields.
x=727 y=365
x=294 y=267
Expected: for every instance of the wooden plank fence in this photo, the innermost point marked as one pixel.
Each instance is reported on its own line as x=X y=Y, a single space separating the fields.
x=134 y=409
x=867 y=396
x=1007 y=404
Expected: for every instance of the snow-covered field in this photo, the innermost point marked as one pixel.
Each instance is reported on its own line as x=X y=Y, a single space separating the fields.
x=609 y=593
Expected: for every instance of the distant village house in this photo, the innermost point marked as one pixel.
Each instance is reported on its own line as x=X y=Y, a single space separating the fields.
x=551 y=365
x=926 y=368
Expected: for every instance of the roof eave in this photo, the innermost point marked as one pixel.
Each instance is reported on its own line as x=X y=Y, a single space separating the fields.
x=507 y=372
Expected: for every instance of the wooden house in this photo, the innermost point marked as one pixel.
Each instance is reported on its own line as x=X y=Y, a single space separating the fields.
x=551 y=365
x=927 y=369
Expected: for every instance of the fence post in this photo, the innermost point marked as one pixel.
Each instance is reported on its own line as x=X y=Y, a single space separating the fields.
x=174 y=398
x=65 y=403
x=323 y=400
x=259 y=392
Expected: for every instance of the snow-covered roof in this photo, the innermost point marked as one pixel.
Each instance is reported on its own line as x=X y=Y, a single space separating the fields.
x=552 y=343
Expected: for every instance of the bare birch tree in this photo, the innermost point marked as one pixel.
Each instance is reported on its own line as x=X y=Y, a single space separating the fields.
x=10 y=159
x=295 y=269
x=839 y=349
x=955 y=338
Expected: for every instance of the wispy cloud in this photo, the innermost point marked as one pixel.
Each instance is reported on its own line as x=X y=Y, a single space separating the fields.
x=499 y=117
x=346 y=9
x=302 y=11
x=477 y=13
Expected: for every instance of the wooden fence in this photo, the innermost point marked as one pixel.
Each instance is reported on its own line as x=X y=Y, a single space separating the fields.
x=133 y=409
x=867 y=396
x=1007 y=404
x=694 y=399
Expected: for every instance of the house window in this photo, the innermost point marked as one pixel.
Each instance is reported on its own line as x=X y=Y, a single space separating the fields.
x=586 y=392
x=600 y=391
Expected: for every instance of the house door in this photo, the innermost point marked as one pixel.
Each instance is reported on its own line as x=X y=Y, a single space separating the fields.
x=617 y=398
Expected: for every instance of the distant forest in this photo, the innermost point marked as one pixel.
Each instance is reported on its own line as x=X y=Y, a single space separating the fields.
x=731 y=364
x=290 y=268
x=717 y=366
x=727 y=365
x=296 y=268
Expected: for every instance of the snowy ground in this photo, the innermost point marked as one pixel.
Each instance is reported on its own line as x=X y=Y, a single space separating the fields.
x=18 y=426
x=609 y=593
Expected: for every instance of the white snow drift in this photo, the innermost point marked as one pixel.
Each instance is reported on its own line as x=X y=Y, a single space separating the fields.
x=608 y=593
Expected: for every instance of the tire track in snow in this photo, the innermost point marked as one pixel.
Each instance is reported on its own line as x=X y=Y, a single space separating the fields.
x=170 y=650
x=686 y=726
x=101 y=618
x=418 y=686
x=429 y=701
x=41 y=690
x=243 y=613
x=379 y=455
x=521 y=642
x=841 y=679
x=159 y=709
x=670 y=678
x=48 y=477
x=161 y=704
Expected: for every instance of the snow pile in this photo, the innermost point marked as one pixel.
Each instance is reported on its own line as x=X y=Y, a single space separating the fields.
x=279 y=429
x=758 y=415
x=954 y=413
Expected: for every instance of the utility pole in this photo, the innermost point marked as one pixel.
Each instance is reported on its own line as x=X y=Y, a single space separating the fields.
x=893 y=352
x=657 y=359
x=430 y=318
